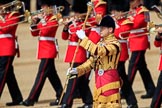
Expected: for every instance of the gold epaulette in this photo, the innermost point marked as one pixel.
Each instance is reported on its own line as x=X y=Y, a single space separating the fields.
x=53 y=18
x=101 y=2
x=143 y=9
x=127 y=21
x=12 y=13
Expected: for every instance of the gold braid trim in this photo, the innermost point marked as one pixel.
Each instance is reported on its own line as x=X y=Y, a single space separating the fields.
x=101 y=51
x=53 y=18
x=88 y=45
x=84 y=43
x=12 y=13
x=109 y=86
x=92 y=48
x=144 y=9
x=85 y=67
x=107 y=99
x=126 y=22
x=107 y=105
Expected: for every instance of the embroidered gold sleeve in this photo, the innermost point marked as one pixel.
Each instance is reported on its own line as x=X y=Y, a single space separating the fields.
x=85 y=67
x=88 y=45
x=100 y=49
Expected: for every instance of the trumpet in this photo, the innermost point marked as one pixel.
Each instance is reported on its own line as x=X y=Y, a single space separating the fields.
x=15 y=5
x=12 y=6
x=119 y=15
x=65 y=20
x=152 y=28
x=38 y=14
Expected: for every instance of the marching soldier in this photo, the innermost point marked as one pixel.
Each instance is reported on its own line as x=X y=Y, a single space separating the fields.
x=104 y=59
x=8 y=50
x=76 y=55
x=47 y=52
x=157 y=98
x=100 y=10
x=138 y=44
x=123 y=25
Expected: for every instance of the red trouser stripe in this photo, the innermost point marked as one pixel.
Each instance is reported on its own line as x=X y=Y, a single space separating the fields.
x=134 y=67
x=158 y=99
x=72 y=91
x=40 y=80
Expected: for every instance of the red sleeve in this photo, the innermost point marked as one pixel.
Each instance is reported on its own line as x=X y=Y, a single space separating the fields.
x=157 y=43
x=10 y=22
x=123 y=30
x=34 y=32
x=126 y=28
x=65 y=35
x=139 y=21
x=50 y=28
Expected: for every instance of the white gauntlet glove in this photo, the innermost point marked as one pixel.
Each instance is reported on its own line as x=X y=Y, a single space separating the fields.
x=68 y=71
x=72 y=71
x=81 y=34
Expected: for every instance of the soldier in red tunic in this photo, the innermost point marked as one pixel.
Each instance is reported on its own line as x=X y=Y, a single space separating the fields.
x=76 y=55
x=123 y=25
x=100 y=10
x=47 y=52
x=104 y=59
x=138 y=44
x=8 y=52
x=157 y=98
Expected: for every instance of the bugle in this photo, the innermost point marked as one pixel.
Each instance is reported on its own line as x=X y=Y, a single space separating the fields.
x=54 y=10
x=15 y=5
x=152 y=28
x=12 y=6
x=120 y=15
x=65 y=20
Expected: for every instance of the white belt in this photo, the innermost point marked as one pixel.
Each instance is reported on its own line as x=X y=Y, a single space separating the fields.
x=73 y=43
x=137 y=31
x=46 y=38
x=122 y=41
x=5 y=35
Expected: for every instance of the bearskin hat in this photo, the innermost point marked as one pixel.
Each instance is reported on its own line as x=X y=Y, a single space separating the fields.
x=80 y=6
x=5 y=1
x=119 y=5
x=107 y=21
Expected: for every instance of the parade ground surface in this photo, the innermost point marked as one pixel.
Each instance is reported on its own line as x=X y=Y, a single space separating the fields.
x=26 y=68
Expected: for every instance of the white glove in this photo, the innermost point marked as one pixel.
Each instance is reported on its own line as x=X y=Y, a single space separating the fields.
x=73 y=71
x=116 y=25
x=68 y=71
x=81 y=34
